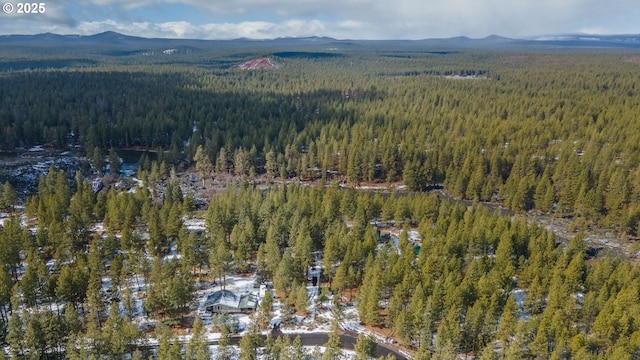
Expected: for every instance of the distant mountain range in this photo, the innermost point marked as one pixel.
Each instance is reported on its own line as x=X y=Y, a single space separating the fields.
x=113 y=41
x=623 y=41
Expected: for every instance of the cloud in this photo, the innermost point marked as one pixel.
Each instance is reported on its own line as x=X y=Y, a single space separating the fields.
x=53 y=15
x=345 y=19
x=184 y=29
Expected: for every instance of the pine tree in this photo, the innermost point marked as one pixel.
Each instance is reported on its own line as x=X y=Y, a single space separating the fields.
x=505 y=259
x=71 y=285
x=488 y=353
x=94 y=304
x=354 y=175
x=157 y=301
x=449 y=337
x=296 y=350
x=12 y=243
x=365 y=347
x=369 y=294
x=301 y=298
x=34 y=340
x=157 y=239
x=197 y=348
x=303 y=247
x=8 y=197
x=53 y=330
x=15 y=334
x=270 y=347
x=279 y=349
x=35 y=282
x=80 y=215
x=341 y=280
x=249 y=343
x=333 y=347
x=423 y=353
x=271 y=166
x=203 y=163
x=97 y=159
x=169 y=347
x=72 y=320
x=414 y=176
x=179 y=290
x=243 y=240
x=114 y=164
x=224 y=350
x=403 y=325
x=221 y=161
x=472 y=330
x=508 y=322
x=273 y=248
x=6 y=287
x=118 y=333
x=264 y=314
x=285 y=275
x=220 y=259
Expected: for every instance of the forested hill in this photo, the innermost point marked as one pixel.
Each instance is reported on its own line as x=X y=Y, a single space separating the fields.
x=540 y=127
x=105 y=42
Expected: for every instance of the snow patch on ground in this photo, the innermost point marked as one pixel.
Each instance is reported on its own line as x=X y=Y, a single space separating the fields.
x=194 y=224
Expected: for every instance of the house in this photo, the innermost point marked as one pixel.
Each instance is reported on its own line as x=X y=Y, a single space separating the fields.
x=225 y=301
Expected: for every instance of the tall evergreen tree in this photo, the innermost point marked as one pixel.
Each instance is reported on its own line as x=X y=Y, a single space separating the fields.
x=203 y=163
x=365 y=347
x=198 y=347
x=333 y=347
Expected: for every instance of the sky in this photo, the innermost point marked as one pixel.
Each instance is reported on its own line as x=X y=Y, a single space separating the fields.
x=341 y=19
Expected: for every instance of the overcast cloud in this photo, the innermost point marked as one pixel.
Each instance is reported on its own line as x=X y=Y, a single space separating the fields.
x=342 y=19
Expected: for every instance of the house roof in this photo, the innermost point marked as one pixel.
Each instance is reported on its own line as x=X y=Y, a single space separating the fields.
x=248 y=301
x=231 y=300
x=223 y=297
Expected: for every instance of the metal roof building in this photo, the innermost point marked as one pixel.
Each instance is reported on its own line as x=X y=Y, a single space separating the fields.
x=225 y=301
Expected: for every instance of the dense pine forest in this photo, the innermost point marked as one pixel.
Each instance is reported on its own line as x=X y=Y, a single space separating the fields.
x=552 y=132
x=546 y=131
